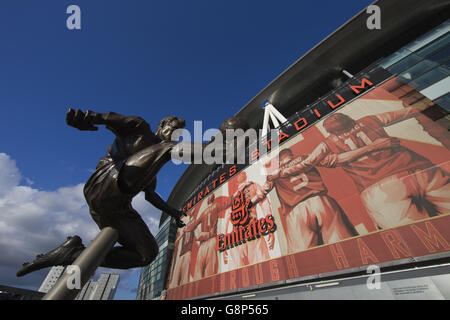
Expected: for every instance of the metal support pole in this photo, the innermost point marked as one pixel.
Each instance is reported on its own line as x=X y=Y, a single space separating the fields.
x=265 y=122
x=348 y=74
x=88 y=261
x=277 y=113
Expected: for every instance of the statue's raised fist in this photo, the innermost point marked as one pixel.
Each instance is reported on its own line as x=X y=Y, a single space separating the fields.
x=82 y=120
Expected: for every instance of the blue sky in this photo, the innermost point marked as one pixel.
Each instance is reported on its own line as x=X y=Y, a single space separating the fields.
x=199 y=60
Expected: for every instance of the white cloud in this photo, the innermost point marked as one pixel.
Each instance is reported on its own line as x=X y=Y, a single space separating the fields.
x=33 y=221
x=149 y=213
x=9 y=174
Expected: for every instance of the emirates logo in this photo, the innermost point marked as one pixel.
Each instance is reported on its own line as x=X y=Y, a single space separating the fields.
x=239 y=210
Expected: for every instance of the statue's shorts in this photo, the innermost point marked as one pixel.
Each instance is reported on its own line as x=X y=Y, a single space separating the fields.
x=108 y=205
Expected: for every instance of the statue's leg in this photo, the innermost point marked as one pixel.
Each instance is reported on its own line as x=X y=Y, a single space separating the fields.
x=62 y=255
x=139 y=247
x=110 y=205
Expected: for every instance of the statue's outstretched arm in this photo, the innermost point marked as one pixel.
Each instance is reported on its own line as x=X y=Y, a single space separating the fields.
x=154 y=198
x=207 y=153
x=117 y=123
x=189 y=152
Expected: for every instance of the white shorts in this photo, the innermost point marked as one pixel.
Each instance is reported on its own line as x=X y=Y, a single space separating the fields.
x=315 y=221
x=207 y=262
x=405 y=198
x=181 y=270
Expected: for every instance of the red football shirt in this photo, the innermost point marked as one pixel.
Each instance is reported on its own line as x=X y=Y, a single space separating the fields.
x=298 y=186
x=377 y=165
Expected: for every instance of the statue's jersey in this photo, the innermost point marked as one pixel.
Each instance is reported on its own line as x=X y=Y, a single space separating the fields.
x=102 y=191
x=379 y=164
x=132 y=135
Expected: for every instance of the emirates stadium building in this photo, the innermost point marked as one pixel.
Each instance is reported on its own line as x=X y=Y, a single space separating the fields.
x=354 y=201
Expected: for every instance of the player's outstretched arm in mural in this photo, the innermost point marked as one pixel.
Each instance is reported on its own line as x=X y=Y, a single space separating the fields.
x=322 y=157
x=349 y=139
x=385 y=176
x=129 y=167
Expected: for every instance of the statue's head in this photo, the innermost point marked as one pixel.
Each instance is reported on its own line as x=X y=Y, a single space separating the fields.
x=167 y=126
x=233 y=123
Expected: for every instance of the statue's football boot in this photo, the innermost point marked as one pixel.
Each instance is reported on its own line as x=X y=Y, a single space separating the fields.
x=61 y=256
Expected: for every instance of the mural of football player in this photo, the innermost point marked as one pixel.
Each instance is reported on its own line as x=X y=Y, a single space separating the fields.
x=311 y=217
x=397 y=185
x=183 y=244
x=205 y=231
x=257 y=250
x=177 y=277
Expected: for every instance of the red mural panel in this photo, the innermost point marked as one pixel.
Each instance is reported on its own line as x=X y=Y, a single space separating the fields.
x=367 y=184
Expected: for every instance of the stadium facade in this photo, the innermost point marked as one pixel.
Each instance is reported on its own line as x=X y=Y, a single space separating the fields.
x=358 y=184
x=153 y=277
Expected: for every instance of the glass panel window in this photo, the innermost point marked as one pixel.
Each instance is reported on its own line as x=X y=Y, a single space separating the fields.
x=429 y=78
x=417 y=70
x=430 y=36
x=435 y=46
x=405 y=63
x=441 y=56
x=444 y=102
x=393 y=58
